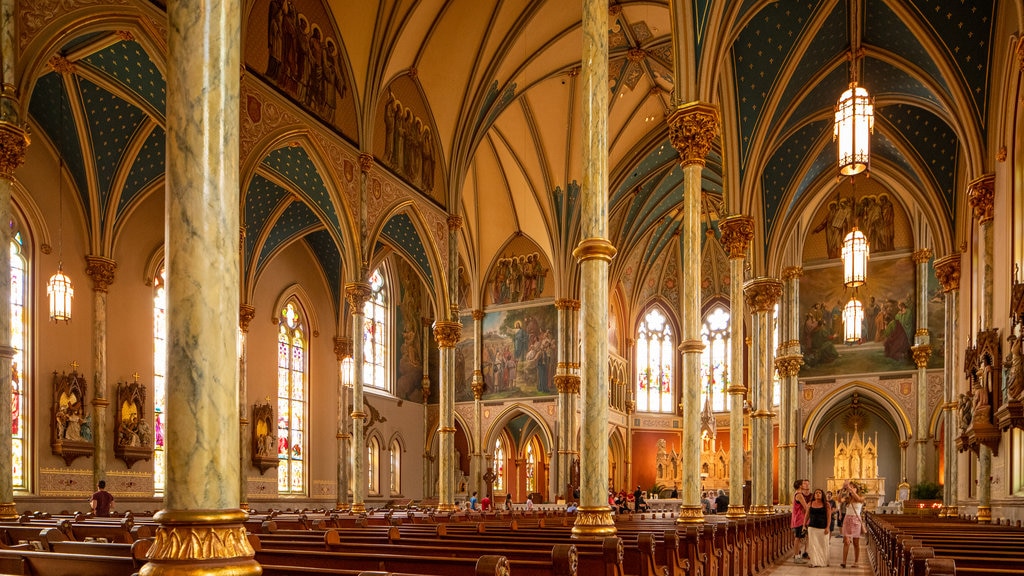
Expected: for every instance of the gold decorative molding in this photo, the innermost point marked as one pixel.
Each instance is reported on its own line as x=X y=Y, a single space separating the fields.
x=61 y=65
x=921 y=256
x=447 y=334
x=478 y=315
x=737 y=232
x=921 y=332
x=360 y=508
x=567 y=304
x=594 y=249
x=762 y=293
x=101 y=270
x=691 y=346
x=365 y=162
x=690 y=514
x=454 y=223
x=358 y=415
x=789 y=365
x=981 y=194
x=342 y=348
x=478 y=384
x=1020 y=52
x=14 y=140
x=357 y=293
x=8 y=511
x=761 y=510
x=593 y=522
x=984 y=514
x=792 y=273
x=692 y=129
x=195 y=542
x=246 y=312
x=446 y=430
x=125 y=35
x=636 y=54
x=947 y=271
x=736 y=511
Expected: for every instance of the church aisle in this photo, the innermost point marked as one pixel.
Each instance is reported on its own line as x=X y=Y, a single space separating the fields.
x=788 y=567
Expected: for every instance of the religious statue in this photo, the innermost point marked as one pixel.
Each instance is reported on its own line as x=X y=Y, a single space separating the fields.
x=1015 y=374
x=964 y=411
x=264 y=441
x=133 y=440
x=71 y=426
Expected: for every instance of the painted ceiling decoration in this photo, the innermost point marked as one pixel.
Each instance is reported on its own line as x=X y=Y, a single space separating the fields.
x=402 y=236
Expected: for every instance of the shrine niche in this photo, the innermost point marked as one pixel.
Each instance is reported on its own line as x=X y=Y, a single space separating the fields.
x=977 y=409
x=1011 y=414
x=714 y=465
x=71 y=427
x=264 y=440
x=856 y=458
x=133 y=440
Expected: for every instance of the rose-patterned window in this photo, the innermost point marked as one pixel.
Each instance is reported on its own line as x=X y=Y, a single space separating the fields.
x=655 y=353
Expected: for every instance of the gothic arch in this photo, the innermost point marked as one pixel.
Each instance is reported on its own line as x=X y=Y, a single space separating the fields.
x=817 y=416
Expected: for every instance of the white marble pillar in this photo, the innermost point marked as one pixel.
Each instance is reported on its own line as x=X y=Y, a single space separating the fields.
x=429 y=462
x=246 y=313
x=947 y=270
x=568 y=386
x=358 y=293
x=201 y=528
x=479 y=465
x=922 y=352
x=788 y=365
x=981 y=195
x=101 y=271
x=14 y=141
x=692 y=129
x=447 y=335
x=762 y=295
x=737 y=232
x=343 y=354
x=594 y=253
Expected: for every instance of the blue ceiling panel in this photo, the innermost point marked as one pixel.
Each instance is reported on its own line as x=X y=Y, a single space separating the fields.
x=130 y=65
x=261 y=199
x=294 y=164
x=49 y=95
x=883 y=148
x=653 y=162
x=326 y=251
x=933 y=140
x=882 y=79
x=148 y=166
x=81 y=41
x=296 y=220
x=822 y=99
x=403 y=236
x=758 y=54
x=884 y=29
x=782 y=168
x=701 y=10
x=112 y=125
x=711 y=176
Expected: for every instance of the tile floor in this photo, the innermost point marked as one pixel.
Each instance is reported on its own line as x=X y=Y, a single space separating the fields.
x=788 y=567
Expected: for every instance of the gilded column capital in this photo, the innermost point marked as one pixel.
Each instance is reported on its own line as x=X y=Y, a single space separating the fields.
x=947 y=271
x=737 y=232
x=762 y=293
x=454 y=223
x=478 y=315
x=789 y=365
x=692 y=129
x=567 y=304
x=921 y=256
x=365 y=162
x=342 y=347
x=61 y=65
x=246 y=312
x=478 y=384
x=594 y=249
x=14 y=141
x=447 y=334
x=981 y=193
x=357 y=293
x=792 y=273
x=101 y=270
x=922 y=354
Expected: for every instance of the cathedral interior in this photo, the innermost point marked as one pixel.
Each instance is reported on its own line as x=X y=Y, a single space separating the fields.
x=421 y=196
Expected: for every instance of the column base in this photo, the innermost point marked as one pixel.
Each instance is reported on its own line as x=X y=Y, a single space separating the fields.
x=201 y=542
x=690 y=514
x=447 y=507
x=8 y=511
x=736 y=511
x=951 y=512
x=593 y=522
x=761 y=510
x=357 y=508
x=342 y=507
x=244 y=506
x=984 y=514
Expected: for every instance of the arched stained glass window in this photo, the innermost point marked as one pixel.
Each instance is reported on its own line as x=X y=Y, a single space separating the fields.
x=373 y=466
x=499 y=465
x=531 y=469
x=159 y=380
x=375 y=333
x=19 y=338
x=396 y=468
x=716 y=359
x=655 y=352
x=291 y=400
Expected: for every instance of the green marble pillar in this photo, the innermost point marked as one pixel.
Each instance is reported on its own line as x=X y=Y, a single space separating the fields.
x=947 y=270
x=982 y=196
x=245 y=315
x=343 y=353
x=762 y=294
x=358 y=293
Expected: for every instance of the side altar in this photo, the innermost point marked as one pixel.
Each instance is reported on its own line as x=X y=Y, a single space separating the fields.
x=856 y=458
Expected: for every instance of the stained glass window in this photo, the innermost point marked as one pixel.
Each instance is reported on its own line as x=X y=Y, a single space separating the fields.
x=375 y=335
x=159 y=381
x=291 y=400
x=655 y=352
x=531 y=469
x=499 y=465
x=19 y=416
x=373 y=466
x=396 y=468
x=716 y=360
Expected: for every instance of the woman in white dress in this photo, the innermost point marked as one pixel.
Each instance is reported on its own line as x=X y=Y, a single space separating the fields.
x=852 y=522
x=816 y=522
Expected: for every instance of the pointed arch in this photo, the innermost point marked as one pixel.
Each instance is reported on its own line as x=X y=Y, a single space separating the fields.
x=292 y=394
x=298 y=293
x=815 y=418
x=428 y=263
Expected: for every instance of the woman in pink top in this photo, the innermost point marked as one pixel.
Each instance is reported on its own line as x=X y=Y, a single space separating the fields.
x=801 y=487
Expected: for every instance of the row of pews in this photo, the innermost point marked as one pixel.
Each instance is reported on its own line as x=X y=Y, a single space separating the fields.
x=919 y=545
x=417 y=542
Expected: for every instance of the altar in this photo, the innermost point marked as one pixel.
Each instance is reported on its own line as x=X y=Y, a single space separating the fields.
x=856 y=458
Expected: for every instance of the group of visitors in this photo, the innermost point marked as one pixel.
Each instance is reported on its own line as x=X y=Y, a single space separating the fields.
x=623 y=501
x=714 y=503
x=817 y=514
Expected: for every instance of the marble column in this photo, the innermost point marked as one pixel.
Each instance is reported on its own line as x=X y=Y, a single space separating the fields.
x=981 y=195
x=568 y=386
x=101 y=271
x=762 y=295
x=14 y=141
x=429 y=486
x=947 y=270
x=922 y=352
x=358 y=293
x=246 y=313
x=737 y=232
x=201 y=530
x=447 y=335
x=788 y=365
x=692 y=128
x=477 y=385
x=343 y=353
x=594 y=253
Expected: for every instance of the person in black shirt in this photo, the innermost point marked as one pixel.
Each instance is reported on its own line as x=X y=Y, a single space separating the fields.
x=722 y=502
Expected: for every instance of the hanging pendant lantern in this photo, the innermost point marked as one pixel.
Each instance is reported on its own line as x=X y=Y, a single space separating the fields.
x=853 y=317
x=855 y=258
x=60 y=294
x=854 y=123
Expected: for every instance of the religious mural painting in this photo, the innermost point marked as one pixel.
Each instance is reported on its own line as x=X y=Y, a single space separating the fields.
x=408 y=143
x=872 y=208
x=519 y=274
x=520 y=353
x=294 y=46
x=410 y=329
x=890 y=305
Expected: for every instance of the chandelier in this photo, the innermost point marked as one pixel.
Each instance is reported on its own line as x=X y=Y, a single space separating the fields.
x=854 y=123
x=58 y=288
x=853 y=317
